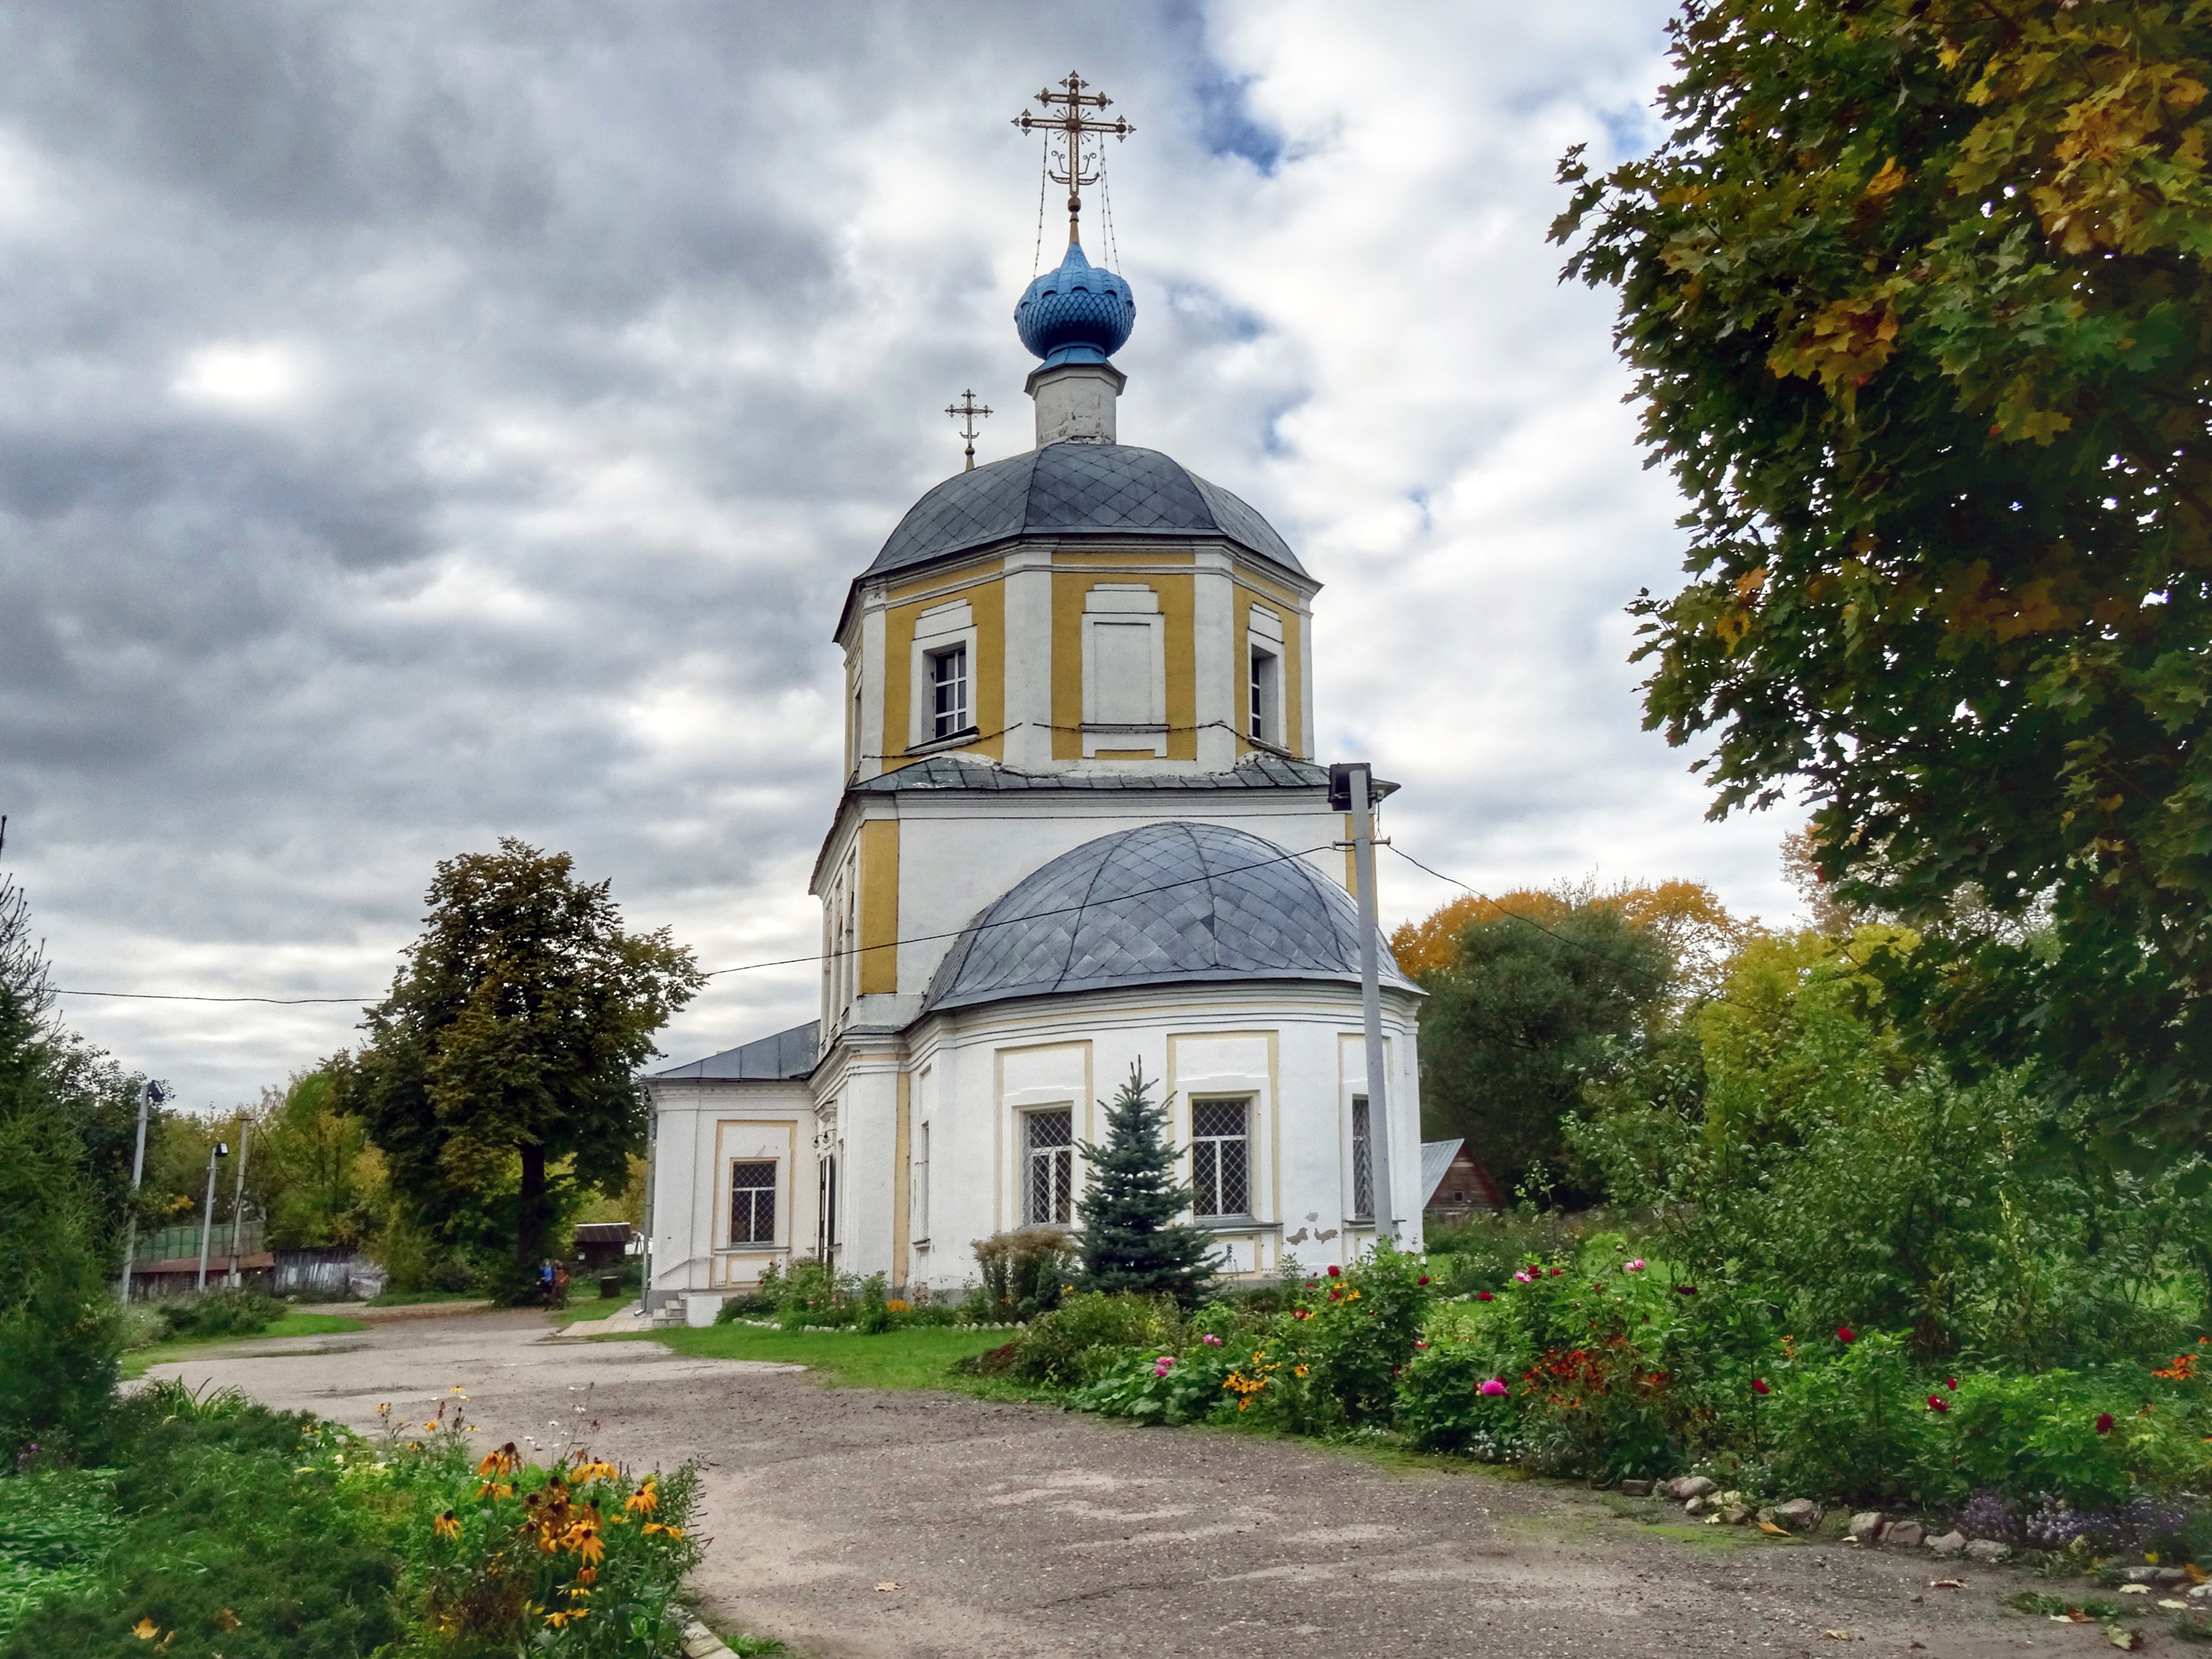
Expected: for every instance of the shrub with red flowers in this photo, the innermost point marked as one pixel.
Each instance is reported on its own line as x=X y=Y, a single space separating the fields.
x=1336 y=1356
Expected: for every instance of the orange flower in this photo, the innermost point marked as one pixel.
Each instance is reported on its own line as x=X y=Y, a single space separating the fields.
x=591 y=1546
x=447 y=1525
x=587 y=1576
x=505 y=1461
x=652 y=1527
x=644 y=1500
x=145 y=1630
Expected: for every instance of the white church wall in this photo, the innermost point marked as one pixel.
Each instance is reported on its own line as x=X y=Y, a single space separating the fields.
x=702 y=1128
x=1273 y=1044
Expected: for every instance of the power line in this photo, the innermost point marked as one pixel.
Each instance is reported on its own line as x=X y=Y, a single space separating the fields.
x=786 y=962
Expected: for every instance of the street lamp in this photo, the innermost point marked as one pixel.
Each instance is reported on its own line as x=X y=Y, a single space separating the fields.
x=207 y=1217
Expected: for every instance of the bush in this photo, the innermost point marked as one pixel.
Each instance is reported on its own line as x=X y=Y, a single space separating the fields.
x=1089 y=1334
x=1332 y=1360
x=1026 y=1271
x=226 y=1310
x=1162 y=1386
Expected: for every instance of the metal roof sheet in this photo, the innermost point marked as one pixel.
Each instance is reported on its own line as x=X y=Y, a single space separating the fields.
x=1154 y=905
x=1072 y=488
x=789 y=1053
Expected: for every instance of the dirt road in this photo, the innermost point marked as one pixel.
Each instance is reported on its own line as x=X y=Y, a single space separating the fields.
x=1029 y=1533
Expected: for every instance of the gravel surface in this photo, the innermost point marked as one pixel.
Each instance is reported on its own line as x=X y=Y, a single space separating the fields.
x=913 y=1525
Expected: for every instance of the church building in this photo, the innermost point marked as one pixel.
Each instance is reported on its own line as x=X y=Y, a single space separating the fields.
x=1082 y=830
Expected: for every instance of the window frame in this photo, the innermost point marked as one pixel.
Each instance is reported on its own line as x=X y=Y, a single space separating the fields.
x=939 y=632
x=917 y=1180
x=1204 y=1168
x=774 y=1189
x=949 y=723
x=1363 y=1160
x=1266 y=705
x=1061 y=1157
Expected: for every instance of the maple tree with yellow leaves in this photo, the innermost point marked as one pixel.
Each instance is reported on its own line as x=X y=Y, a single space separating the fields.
x=1918 y=296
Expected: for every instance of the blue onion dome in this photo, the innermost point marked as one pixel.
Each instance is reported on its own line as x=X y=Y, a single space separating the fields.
x=1078 y=313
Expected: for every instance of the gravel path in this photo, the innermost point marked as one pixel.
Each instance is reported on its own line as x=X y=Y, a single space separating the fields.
x=916 y=1525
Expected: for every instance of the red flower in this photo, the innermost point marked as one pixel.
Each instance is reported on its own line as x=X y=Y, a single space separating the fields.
x=1303 y=1313
x=1423 y=1280
x=1484 y=1296
x=1334 y=1272
x=1685 y=1290
x=2104 y=1422
x=1598 y=1286
x=1938 y=1403
x=1758 y=1385
x=1556 y=1272
x=1952 y=1383
x=1336 y=1296
x=1844 y=1334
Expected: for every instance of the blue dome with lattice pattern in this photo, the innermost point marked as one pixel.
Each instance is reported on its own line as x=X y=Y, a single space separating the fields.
x=1162 y=903
x=1078 y=313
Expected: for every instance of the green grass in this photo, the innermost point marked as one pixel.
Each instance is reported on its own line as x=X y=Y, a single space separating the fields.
x=918 y=1358
x=298 y=1324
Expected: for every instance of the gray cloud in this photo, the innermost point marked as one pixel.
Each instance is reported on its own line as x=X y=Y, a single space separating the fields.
x=423 y=422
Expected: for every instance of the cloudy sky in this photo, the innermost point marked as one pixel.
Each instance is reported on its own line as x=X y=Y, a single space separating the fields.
x=424 y=423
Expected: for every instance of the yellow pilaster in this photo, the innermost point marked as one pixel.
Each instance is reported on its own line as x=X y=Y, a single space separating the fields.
x=880 y=906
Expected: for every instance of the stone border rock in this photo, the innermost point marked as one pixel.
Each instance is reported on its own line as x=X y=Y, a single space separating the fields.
x=699 y=1643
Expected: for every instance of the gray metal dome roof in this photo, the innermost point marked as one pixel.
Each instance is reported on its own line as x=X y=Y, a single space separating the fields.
x=1074 y=489
x=1152 y=906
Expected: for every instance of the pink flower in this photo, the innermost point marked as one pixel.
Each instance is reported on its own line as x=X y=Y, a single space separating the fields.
x=1526 y=1276
x=1210 y=1341
x=1484 y=1296
x=1843 y=1334
x=1759 y=1385
x=1491 y=1389
x=2104 y=1422
x=1163 y=1364
x=1638 y=1266
x=1334 y=1272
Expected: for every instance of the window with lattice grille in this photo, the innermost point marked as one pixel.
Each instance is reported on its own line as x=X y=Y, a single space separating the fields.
x=752 y=1201
x=1049 y=1165
x=1221 y=1157
x=1362 y=1159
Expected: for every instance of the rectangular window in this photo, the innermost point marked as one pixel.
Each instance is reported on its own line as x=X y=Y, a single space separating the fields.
x=1264 y=668
x=1221 y=1157
x=918 y=1186
x=948 y=682
x=1049 y=1165
x=1363 y=1160
x=825 y=1222
x=752 y=1201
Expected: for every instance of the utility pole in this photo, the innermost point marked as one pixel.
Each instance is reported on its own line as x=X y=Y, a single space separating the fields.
x=238 y=1197
x=149 y=1092
x=207 y=1216
x=1353 y=788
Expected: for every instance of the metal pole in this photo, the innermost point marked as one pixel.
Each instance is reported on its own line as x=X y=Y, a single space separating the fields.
x=1370 y=1006
x=238 y=1197
x=207 y=1215
x=147 y=1091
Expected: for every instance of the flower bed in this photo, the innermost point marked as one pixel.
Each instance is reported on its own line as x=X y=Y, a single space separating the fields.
x=224 y=1528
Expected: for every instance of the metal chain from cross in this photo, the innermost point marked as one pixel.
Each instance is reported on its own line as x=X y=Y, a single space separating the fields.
x=968 y=411
x=1064 y=115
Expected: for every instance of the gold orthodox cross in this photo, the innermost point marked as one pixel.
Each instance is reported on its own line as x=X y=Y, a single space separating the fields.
x=967 y=411
x=1064 y=115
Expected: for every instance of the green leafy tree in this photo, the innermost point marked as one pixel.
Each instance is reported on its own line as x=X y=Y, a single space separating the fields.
x=1131 y=1238
x=314 y=1174
x=497 y=1078
x=1918 y=296
x=1520 y=1011
x=60 y=1340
